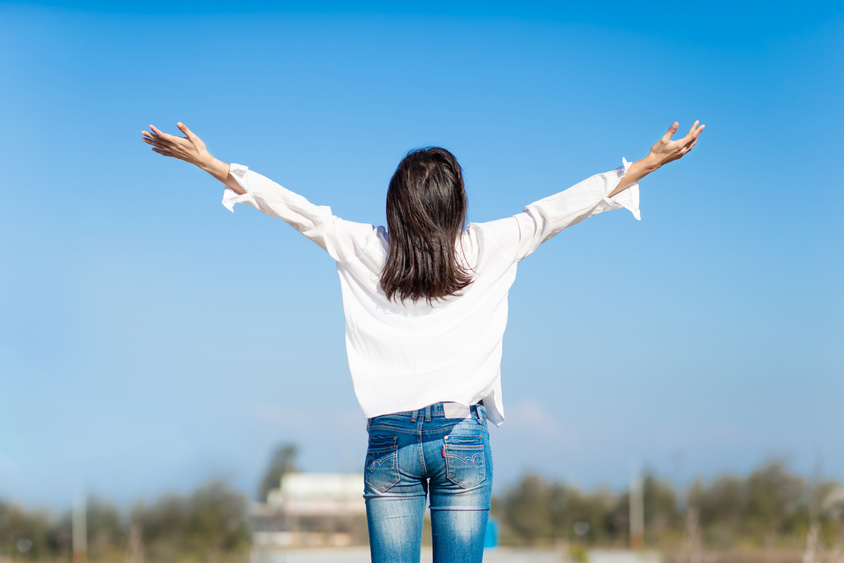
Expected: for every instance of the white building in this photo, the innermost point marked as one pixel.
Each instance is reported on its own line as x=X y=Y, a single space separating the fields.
x=312 y=509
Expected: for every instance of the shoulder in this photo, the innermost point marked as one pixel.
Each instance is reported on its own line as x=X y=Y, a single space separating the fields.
x=499 y=237
x=354 y=240
x=499 y=231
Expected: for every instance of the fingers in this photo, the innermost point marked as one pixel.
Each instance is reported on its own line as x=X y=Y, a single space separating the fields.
x=694 y=133
x=161 y=139
x=152 y=140
x=162 y=134
x=692 y=130
x=695 y=130
x=161 y=151
x=158 y=144
x=666 y=150
x=670 y=132
x=188 y=148
x=157 y=137
x=690 y=140
x=687 y=142
x=184 y=129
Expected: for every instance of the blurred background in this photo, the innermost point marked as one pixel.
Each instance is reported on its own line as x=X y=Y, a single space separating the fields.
x=152 y=343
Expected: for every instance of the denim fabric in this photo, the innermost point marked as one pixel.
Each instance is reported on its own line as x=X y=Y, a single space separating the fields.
x=412 y=454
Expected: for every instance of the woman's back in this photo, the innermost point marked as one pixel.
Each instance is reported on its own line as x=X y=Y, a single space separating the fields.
x=405 y=354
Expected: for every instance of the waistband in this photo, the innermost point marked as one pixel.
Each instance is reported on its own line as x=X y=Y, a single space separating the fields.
x=440 y=410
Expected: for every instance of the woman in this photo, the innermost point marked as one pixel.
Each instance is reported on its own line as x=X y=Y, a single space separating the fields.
x=425 y=302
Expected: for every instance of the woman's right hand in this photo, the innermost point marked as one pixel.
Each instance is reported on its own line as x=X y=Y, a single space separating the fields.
x=189 y=148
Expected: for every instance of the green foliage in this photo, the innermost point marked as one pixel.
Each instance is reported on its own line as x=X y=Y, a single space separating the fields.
x=209 y=522
x=770 y=503
x=528 y=511
x=661 y=506
x=537 y=511
x=207 y=525
x=32 y=530
x=769 y=507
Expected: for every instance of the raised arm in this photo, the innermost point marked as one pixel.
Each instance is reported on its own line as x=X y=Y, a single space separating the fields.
x=664 y=151
x=341 y=239
x=192 y=150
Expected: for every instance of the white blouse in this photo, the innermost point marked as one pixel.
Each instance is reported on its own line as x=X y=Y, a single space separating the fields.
x=403 y=355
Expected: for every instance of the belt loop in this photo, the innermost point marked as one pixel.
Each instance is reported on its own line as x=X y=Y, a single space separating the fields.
x=428 y=413
x=413 y=416
x=477 y=409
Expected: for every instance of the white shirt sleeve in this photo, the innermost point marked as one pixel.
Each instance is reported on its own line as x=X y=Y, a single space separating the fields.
x=545 y=218
x=341 y=239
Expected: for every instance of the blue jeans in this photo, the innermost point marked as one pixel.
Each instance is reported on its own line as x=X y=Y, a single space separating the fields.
x=413 y=453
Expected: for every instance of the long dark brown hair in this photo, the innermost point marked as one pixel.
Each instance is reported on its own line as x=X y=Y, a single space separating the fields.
x=426 y=212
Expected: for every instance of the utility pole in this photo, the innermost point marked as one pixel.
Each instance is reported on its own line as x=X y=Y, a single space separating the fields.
x=637 y=508
x=80 y=531
x=814 y=551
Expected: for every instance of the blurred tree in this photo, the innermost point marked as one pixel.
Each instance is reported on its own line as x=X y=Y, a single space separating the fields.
x=60 y=539
x=580 y=516
x=282 y=461
x=527 y=509
x=106 y=534
x=720 y=508
x=209 y=523
x=217 y=520
x=660 y=502
x=617 y=518
x=776 y=500
x=163 y=527
x=23 y=536
x=769 y=503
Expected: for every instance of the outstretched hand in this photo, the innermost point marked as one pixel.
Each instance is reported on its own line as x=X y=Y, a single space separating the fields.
x=189 y=148
x=665 y=150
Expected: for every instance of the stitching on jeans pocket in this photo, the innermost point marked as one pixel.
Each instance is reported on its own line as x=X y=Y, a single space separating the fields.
x=458 y=440
x=465 y=462
x=382 y=468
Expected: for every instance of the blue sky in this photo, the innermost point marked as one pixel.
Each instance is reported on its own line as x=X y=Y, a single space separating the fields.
x=150 y=340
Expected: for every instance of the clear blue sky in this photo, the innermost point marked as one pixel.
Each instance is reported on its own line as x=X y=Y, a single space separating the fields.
x=150 y=340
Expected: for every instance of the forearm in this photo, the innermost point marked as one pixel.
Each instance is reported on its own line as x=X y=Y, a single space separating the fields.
x=544 y=219
x=635 y=172
x=221 y=171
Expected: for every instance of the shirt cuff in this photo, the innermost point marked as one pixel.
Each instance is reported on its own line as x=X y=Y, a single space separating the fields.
x=629 y=198
x=230 y=197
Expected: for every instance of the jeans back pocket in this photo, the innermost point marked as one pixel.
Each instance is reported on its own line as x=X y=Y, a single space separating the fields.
x=382 y=464
x=465 y=462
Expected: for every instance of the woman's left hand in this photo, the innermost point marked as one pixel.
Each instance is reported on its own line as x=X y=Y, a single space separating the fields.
x=662 y=152
x=665 y=150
